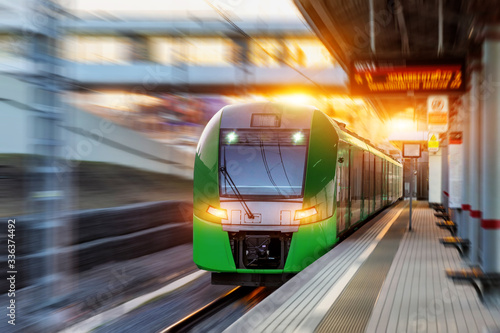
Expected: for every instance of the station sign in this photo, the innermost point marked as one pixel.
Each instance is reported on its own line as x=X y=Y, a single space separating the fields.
x=455 y=138
x=433 y=142
x=437 y=113
x=412 y=150
x=402 y=76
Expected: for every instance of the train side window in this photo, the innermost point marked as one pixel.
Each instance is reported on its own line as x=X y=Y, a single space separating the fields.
x=356 y=184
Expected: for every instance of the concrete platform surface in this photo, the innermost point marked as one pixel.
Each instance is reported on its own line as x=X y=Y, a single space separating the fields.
x=381 y=279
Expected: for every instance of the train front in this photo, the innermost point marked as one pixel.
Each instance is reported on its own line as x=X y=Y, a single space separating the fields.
x=263 y=192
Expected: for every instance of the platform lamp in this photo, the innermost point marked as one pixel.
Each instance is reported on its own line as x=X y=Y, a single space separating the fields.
x=411 y=151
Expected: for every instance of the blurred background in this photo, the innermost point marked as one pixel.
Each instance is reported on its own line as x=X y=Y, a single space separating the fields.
x=102 y=105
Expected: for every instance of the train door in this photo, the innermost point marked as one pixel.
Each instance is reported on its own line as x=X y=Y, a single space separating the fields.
x=370 y=173
x=395 y=182
x=384 y=182
x=372 y=183
x=356 y=184
x=378 y=183
x=400 y=184
x=342 y=186
x=367 y=194
x=389 y=183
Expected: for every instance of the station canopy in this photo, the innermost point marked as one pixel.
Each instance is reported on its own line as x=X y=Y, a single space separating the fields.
x=399 y=34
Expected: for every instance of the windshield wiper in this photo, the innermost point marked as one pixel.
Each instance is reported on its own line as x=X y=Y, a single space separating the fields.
x=266 y=166
x=236 y=192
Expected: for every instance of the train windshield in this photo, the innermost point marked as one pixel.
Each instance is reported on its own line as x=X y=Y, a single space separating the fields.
x=269 y=163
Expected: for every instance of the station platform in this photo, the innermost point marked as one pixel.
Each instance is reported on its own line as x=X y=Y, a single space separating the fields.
x=383 y=278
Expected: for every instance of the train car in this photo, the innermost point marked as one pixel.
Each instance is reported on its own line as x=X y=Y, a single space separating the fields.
x=276 y=186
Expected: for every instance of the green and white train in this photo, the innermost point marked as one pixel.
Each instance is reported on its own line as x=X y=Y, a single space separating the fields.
x=276 y=186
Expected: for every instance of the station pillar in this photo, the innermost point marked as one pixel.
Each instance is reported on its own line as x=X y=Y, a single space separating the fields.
x=490 y=153
x=444 y=172
x=471 y=207
x=462 y=211
x=435 y=177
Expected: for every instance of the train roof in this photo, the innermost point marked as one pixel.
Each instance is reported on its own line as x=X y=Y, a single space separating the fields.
x=268 y=107
x=269 y=115
x=352 y=138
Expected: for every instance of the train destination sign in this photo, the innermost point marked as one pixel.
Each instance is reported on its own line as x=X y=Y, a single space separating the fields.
x=378 y=77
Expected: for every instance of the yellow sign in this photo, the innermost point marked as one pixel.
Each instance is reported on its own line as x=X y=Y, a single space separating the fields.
x=433 y=143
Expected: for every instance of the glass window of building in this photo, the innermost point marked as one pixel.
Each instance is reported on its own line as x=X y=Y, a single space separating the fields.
x=208 y=51
x=97 y=49
x=267 y=52
x=69 y=48
x=200 y=51
x=11 y=47
x=308 y=53
x=165 y=50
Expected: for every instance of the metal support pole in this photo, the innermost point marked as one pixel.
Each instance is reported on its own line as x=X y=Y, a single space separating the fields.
x=440 y=28
x=372 y=26
x=462 y=214
x=48 y=230
x=45 y=192
x=411 y=190
x=471 y=208
x=490 y=168
x=435 y=177
x=444 y=172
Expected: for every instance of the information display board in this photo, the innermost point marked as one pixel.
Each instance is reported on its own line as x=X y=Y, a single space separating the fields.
x=412 y=150
x=401 y=76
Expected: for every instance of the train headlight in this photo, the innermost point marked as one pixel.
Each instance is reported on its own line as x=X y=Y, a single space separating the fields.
x=298 y=137
x=232 y=137
x=217 y=212
x=304 y=213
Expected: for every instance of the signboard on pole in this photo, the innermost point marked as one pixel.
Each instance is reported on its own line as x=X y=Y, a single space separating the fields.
x=433 y=142
x=411 y=150
x=437 y=113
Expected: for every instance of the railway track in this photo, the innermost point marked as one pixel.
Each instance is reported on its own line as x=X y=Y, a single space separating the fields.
x=248 y=297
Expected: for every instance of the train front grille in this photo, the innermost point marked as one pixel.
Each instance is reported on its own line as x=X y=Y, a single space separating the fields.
x=260 y=250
